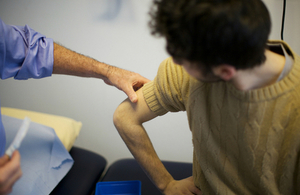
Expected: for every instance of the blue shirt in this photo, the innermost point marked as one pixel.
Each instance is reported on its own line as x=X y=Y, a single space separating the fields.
x=24 y=54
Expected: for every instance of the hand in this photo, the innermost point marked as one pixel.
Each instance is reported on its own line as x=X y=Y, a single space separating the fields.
x=69 y=62
x=125 y=80
x=10 y=172
x=185 y=186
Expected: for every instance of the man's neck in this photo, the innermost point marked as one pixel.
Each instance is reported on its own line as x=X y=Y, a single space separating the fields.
x=260 y=76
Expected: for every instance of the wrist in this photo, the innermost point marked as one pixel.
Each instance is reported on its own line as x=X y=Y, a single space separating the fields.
x=163 y=186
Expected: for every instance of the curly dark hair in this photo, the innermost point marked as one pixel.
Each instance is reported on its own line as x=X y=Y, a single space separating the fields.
x=213 y=32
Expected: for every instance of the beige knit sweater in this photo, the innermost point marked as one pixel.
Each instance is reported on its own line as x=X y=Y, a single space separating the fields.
x=244 y=142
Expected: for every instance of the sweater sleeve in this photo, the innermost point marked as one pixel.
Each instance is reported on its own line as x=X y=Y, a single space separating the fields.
x=167 y=92
x=24 y=53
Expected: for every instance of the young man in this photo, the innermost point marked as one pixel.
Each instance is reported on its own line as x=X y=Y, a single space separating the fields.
x=240 y=92
x=25 y=53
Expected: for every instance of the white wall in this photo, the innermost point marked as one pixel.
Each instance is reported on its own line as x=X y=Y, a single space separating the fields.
x=116 y=32
x=292 y=22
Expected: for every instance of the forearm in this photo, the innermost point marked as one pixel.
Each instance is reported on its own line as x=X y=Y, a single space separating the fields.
x=71 y=63
x=128 y=119
x=142 y=149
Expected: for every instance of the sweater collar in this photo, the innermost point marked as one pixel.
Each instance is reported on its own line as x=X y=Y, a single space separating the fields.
x=277 y=89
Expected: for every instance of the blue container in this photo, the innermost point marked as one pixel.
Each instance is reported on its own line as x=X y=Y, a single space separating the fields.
x=118 y=188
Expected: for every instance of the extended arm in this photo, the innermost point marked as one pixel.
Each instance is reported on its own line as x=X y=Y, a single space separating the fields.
x=71 y=63
x=128 y=119
x=25 y=53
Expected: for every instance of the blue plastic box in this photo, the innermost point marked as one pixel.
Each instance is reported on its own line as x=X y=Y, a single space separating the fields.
x=118 y=188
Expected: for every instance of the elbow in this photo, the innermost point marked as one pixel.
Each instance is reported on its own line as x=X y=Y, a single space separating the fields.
x=121 y=115
x=117 y=117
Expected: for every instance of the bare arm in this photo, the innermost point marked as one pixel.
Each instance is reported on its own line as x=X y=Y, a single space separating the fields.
x=128 y=119
x=71 y=63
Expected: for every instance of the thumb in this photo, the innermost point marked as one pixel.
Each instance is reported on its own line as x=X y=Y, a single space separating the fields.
x=131 y=94
x=133 y=97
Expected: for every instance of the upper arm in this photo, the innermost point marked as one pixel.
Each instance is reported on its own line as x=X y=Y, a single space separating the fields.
x=133 y=113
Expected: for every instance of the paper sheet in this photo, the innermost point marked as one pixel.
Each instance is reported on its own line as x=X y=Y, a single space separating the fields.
x=44 y=159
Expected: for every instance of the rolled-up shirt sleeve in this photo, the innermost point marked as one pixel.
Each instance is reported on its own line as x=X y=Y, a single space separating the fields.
x=24 y=53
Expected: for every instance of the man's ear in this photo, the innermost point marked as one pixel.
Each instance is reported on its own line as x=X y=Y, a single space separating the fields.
x=225 y=71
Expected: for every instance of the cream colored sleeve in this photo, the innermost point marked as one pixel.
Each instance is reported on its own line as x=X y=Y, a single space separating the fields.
x=168 y=91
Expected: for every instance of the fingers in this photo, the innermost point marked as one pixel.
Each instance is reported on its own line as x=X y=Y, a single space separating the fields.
x=10 y=172
x=133 y=97
x=130 y=90
x=144 y=80
x=125 y=80
x=194 y=188
x=196 y=191
x=3 y=160
x=181 y=187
